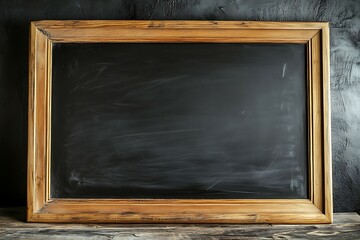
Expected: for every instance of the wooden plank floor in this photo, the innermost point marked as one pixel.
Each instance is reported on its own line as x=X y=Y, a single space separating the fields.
x=13 y=226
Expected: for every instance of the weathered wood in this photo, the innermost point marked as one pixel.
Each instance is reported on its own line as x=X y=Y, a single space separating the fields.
x=177 y=31
x=13 y=226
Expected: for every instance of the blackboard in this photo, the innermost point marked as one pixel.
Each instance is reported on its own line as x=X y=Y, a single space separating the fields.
x=179 y=120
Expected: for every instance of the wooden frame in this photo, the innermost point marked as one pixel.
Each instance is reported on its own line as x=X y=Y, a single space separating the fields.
x=316 y=209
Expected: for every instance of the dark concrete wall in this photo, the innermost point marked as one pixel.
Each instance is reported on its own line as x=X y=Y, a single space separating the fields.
x=344 y=16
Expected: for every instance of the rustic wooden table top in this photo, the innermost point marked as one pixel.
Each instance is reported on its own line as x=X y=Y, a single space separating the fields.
x=13 y=226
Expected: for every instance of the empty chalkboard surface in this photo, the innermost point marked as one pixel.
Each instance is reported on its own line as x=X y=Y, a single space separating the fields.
x=185 y=121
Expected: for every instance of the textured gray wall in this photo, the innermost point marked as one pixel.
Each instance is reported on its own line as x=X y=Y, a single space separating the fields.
x=344 y=16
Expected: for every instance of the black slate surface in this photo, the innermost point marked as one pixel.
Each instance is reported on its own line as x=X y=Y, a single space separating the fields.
x=179 y=121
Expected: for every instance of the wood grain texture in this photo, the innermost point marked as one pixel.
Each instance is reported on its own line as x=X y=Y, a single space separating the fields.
x=180 y=211
x=31 y=134
x=177 y=31
x=43 y=209
x=319 y=102
x=309 y=85
x=317 y=147
x=176 y=24
x=12 y=226
x=328 y=195
x=38 y=120
x=48 y=119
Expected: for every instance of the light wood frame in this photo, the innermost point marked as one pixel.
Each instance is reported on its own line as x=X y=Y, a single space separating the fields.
x=42 y=208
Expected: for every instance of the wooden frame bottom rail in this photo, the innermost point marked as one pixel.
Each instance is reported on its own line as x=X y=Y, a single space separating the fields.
x=180 y=211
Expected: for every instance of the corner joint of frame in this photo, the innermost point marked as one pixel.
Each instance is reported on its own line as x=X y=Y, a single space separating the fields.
x=41 y=30
x=325 y=28
x=32 y=215
x=45 y=33
x=328 y=218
